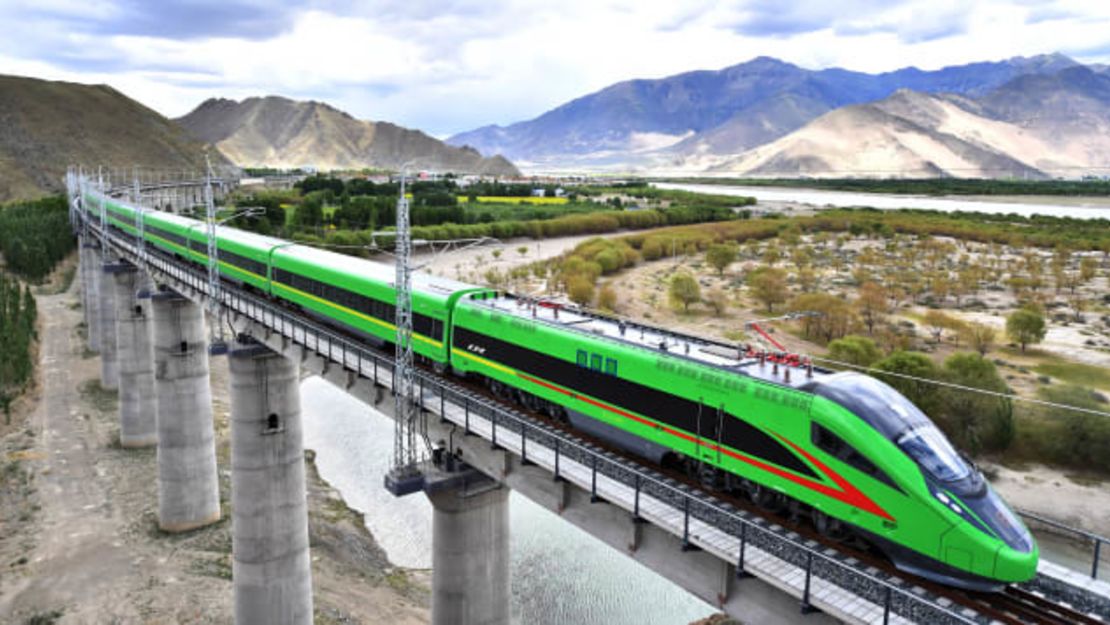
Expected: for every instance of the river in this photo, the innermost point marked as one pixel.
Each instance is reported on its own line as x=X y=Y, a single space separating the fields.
x=559 y=573
x=1079 y=208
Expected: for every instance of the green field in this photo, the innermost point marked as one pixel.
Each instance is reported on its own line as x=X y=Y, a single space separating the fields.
x=1076 y=373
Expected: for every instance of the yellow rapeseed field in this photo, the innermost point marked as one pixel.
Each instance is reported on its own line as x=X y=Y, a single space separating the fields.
x=499 y=199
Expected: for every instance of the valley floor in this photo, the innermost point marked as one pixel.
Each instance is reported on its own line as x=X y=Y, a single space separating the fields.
x=79 y=540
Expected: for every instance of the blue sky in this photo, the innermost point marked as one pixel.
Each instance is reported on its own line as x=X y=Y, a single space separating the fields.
x=448 y=66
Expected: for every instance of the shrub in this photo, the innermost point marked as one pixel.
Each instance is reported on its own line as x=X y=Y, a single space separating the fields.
x=855 y=350
x=580 y=290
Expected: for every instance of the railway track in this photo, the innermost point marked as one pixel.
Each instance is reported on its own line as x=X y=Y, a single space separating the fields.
x=1018 y=606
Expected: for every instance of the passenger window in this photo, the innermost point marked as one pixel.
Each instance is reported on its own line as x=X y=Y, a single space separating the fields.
x=595 y=362
x=583 y=358
x=610 y=366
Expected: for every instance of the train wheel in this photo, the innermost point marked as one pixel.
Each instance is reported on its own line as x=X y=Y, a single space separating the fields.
x=709 y=477
x=500 y=391
x=829 y=527
x=766 y=498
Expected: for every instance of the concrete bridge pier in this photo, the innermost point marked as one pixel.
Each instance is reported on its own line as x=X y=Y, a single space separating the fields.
x=271 y=569
x=90 y=268
x=470 y=554
x=106 y=296
x=188 y=488
x=138 y=402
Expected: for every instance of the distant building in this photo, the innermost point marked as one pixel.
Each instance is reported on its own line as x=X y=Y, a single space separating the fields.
x=538 y=193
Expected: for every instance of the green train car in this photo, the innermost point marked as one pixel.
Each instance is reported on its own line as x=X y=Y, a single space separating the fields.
x=843 y=448
x=858 y=455
x=354 y=293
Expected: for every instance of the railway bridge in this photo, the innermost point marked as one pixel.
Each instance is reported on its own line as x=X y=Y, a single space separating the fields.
x=144 y=310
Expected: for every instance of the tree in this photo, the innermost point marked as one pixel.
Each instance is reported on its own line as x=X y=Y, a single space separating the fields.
x=717 y=300
x=768 y=285
x=310 y=212
x=721 y=256
x=872 y=305
x=834 y=317
x=976 y=421
x=1025 y=326
x=980 y=337
x=807 y=279
x=684 y=290
x=937 y=322
x=580 y=290
x=1078 y=302
x=772 y=254
x=915 y=370
x=522 y=250
x=855 y=350
x=1088 y=268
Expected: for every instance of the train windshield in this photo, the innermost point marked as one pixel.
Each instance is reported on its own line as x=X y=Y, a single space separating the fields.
x=896 y=418
x=882 y=407
x=934 y=453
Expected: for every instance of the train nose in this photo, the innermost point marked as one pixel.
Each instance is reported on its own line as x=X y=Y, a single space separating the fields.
x=1014 y=565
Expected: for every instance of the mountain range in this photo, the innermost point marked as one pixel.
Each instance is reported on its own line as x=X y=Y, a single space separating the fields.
x=767 y=116
x=279 y=132
x=46 y=126
x=1034 y=126
x=1034 y=117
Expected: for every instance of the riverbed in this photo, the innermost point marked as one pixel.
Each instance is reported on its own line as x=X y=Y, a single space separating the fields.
x=1079 y=208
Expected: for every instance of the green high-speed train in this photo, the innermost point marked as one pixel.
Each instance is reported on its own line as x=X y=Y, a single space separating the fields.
x=843 y=448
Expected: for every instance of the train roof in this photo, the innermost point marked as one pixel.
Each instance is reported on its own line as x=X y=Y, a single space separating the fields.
x=245 y=237
x=381 y=272
x=718 y=354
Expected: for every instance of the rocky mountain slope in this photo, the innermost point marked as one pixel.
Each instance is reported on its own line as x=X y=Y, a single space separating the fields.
x=721 y=112
x=46 y=126
x=1032 y=126
x=279 y=132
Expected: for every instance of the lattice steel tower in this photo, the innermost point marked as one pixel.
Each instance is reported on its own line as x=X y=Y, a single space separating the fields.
x=404 y=476
x=217 y=345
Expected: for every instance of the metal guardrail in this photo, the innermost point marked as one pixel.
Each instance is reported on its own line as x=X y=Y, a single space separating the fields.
x=1083 y=535
x=892 y=597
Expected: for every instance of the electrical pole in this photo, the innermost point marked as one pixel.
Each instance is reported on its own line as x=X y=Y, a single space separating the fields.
x=217 y=345
x=140 y=223
x=103 y=212
x=404 y=477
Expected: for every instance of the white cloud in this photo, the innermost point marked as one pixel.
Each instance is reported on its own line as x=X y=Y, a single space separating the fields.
x=450 y=66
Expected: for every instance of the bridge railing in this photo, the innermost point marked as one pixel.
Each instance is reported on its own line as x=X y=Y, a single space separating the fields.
x=1078 y=535
x=749 y=532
